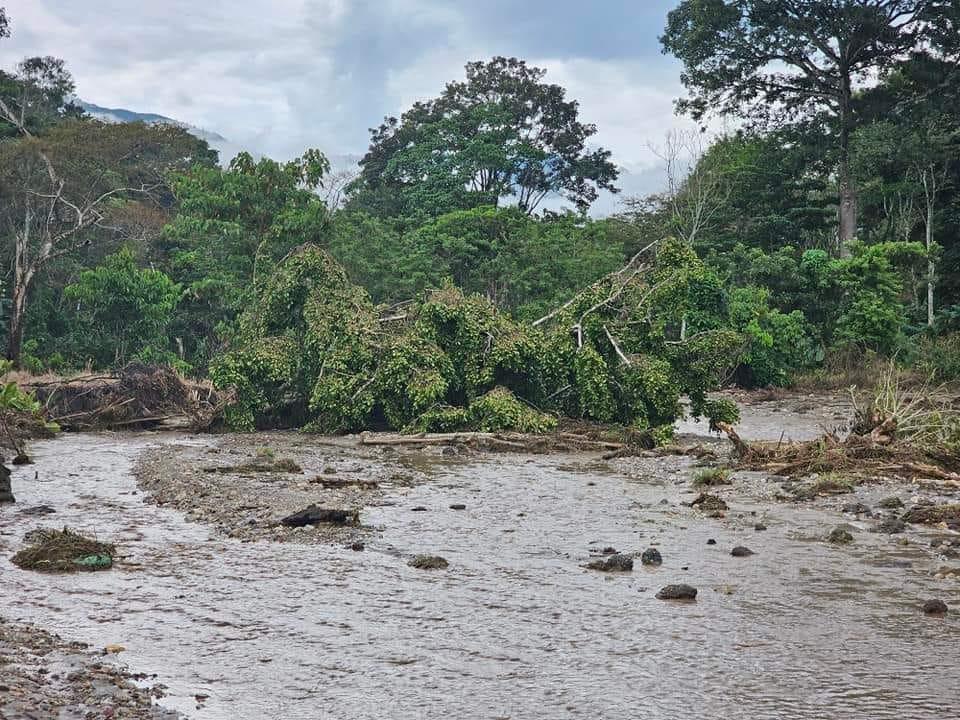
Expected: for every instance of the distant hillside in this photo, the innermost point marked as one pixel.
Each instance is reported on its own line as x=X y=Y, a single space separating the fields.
x=121 y=115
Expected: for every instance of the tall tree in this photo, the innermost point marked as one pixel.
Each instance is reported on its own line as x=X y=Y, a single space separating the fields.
x=501 y=133
x=907 y=157
x=786 y=60
x=231 y=227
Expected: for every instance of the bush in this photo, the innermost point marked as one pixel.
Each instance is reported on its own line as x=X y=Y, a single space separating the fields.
x=122 y=311
x=939 y=357
x=778 y=343
x=499 y=409
x=712 y=476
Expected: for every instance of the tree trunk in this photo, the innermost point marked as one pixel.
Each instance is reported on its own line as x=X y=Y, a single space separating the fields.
x=18 y=308
x=931 y=269
x=847 y=230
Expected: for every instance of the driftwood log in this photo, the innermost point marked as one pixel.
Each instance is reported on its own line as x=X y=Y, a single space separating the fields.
x=503 y=441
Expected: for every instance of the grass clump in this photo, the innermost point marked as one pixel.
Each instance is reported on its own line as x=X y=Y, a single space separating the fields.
x=709 y=477
x=830 y=483
x=58 y=551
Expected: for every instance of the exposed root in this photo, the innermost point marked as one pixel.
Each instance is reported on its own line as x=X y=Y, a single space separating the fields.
x=877 y=453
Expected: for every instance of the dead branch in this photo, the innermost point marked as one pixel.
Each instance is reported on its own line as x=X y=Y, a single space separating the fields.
x=624 y=358
x=597 y=284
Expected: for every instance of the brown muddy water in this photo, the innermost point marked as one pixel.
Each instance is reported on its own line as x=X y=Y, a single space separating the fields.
x=516 y=628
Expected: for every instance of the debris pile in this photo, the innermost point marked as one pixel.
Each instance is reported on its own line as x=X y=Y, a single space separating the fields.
x=138 y=395
x=63 y=551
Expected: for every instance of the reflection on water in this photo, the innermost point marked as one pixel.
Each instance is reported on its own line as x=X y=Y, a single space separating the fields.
x=515 y=629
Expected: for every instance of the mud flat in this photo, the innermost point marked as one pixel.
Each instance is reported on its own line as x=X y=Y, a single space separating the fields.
x=245 y=485
x=45 y=676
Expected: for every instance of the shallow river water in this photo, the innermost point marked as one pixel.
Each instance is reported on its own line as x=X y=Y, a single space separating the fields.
x=516 y=628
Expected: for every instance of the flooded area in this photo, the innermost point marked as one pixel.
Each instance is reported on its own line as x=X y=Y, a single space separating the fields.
x=515 y=627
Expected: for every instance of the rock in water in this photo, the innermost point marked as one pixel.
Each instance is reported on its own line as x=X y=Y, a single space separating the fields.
x=428 y=562
x=38 y=510
x=935 y=607
x=710 y=505
x=313 y=515
x=741 y=551
x=677 y=592
x=891 y=526
x=612 y=563
x=651 y=556
x=711 y=541
x=891 y=503
x=6 y=493
x=856 y=508
x=840 y=536
x=929 y=514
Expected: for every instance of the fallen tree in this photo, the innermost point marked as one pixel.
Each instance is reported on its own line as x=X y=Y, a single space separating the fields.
x=912 y=433
x=314 y=352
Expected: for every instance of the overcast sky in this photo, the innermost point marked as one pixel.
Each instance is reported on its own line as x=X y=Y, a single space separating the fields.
x=278 y=76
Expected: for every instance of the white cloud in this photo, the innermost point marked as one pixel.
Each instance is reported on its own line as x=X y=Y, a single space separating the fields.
x=278 y=76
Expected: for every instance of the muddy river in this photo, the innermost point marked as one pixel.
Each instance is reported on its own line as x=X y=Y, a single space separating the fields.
x=516 y=627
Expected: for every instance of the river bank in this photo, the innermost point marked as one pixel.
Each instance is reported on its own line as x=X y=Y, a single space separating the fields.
x=45 y=676
x=516 y=626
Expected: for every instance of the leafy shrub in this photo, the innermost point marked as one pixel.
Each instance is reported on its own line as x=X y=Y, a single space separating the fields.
x=121 y=310
x=721 y=410
x=872 y=311
x=778 y=343
x=499 y=409
x=939 y=357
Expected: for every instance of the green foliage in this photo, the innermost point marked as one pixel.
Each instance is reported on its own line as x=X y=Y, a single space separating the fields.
x=121 y=312
x=14 y=401
x=778 y=343
x=710 y=477
x=939 y=357
x=232 y=227
x=720 y=410
x=499 y=409
x=871 y=311
x=312 y=341
x=501 y=133
x=262 y=373
x=754 y=58
x=522 y=264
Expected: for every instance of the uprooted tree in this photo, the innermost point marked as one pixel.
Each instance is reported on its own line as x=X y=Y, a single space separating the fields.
x=315 y=352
